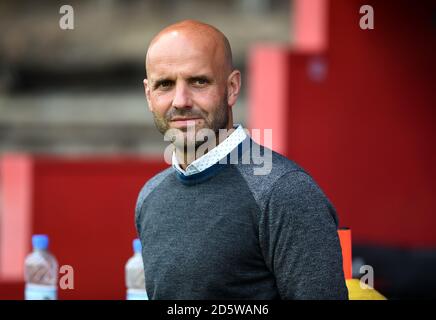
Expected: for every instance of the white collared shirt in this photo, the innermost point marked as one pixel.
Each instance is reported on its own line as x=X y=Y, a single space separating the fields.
x=214 y=155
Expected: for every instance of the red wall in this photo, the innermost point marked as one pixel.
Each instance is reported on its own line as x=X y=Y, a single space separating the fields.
x=86 y=206
x=366 y=130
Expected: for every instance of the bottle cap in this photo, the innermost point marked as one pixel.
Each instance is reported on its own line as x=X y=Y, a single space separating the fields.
x=137 y=248
x=40 y=241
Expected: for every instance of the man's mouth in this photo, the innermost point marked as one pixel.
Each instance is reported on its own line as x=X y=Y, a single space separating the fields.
x=180 y=122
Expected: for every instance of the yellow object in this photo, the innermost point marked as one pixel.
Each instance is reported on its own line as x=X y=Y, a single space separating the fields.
x=356 y=292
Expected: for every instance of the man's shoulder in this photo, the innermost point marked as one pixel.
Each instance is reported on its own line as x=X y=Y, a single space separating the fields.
x=152 y=183
x=286 y=184
x=266 y=167
x=284 y=164
x=279 y=174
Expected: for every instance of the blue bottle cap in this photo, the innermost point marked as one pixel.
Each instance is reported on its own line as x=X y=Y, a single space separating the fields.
x=137 y=248
x=40 y=241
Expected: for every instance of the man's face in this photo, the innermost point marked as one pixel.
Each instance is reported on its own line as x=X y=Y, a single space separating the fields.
x=186 y=85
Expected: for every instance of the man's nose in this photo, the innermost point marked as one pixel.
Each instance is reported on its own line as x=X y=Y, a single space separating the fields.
x=182 y=96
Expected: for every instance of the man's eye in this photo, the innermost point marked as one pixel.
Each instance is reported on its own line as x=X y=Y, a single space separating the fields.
x=200 y=82
x=165 y=84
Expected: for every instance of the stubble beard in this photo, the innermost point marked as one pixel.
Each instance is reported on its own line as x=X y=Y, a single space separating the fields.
x=189 y=140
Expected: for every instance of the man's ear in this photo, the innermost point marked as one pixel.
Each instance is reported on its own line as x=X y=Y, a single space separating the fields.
x=147 y=94
x=233 y=87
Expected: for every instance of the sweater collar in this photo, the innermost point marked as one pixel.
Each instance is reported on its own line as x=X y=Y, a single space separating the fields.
x=213 y=156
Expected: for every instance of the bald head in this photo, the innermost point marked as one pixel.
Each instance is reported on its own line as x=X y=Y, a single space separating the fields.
x=190 y=78
x=196 y=35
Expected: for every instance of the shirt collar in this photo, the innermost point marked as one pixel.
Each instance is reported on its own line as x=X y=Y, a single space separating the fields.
x=214 y=155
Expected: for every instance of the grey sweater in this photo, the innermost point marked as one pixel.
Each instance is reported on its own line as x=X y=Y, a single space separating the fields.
x=226 y=233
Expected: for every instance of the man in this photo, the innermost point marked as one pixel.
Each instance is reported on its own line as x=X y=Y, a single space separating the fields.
x=210 y=227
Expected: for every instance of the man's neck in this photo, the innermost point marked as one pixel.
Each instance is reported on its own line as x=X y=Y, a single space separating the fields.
x=185 y=156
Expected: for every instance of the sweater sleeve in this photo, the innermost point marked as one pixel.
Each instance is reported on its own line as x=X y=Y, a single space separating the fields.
x=299 y=240
x=148 y=187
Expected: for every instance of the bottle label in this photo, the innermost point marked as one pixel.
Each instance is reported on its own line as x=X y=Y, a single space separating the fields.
x=136 y=294
x=40 y=292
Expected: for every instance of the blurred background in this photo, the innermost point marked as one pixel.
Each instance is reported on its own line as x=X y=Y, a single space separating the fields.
x=355 y=107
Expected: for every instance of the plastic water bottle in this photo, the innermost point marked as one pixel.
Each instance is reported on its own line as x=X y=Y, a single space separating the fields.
x=40 y=271
x=135 y=280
